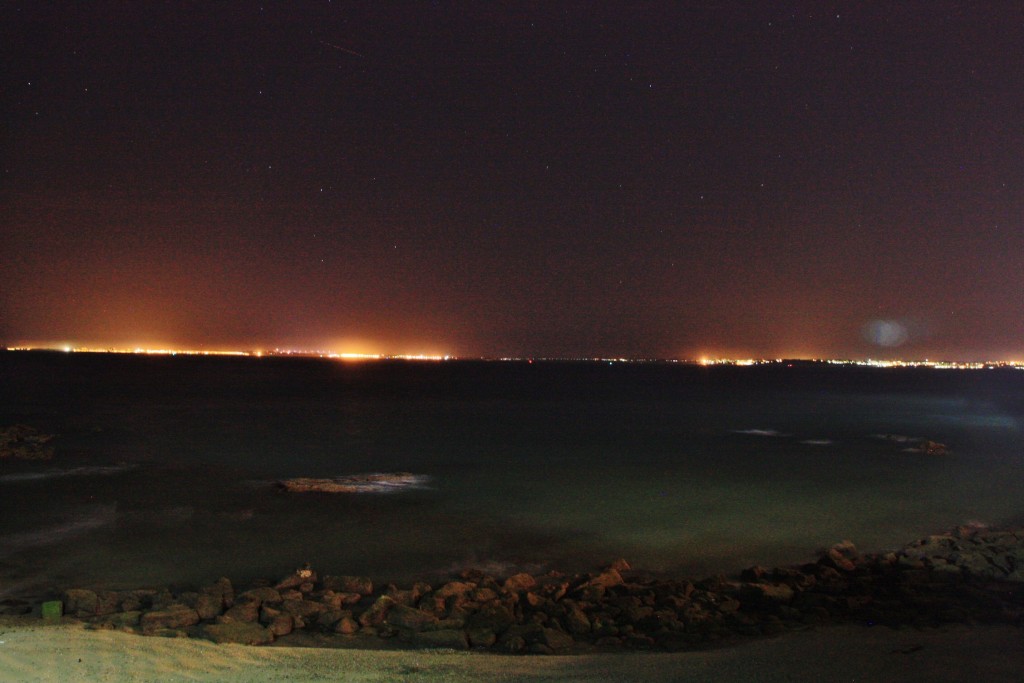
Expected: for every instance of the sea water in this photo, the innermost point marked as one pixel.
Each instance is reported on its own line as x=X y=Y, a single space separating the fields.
x=165 y=467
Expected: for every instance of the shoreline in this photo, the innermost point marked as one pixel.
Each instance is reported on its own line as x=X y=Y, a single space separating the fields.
x=970 y=575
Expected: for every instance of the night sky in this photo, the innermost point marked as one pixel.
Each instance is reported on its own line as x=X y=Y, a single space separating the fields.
x=669 y=179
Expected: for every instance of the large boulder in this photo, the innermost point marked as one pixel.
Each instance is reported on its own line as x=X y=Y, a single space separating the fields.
x=80 y=602
x=410 y=618
x=576 y=620
x=377 y=612
x=175 y=618
x=302 y=608
x=492 y=617
x=518 y=583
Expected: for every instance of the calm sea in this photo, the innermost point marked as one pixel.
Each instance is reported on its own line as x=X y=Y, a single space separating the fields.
x=165 y=466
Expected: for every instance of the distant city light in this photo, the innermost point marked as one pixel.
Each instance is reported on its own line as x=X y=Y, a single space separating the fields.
x=704 y=361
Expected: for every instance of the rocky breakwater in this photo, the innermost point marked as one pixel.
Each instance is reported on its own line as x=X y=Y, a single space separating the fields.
x=967 y=575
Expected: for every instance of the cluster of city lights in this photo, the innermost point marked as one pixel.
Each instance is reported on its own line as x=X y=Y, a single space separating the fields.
x=208 y=352
x=742 y=362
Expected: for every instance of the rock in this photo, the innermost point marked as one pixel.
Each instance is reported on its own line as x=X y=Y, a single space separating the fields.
x=973 y=563
x=482 y=595
x=346 y=626
x=401 y=597
x=767 y=593
x=330 y=599
x=298 y=578
x=448 y=638
x=281 y=625
x=403 y=616
x=557 y=640
x=122 y=620
x=360 y=585
x=481 y=637
x=933 y=448
x=492 y=617
x=259 y=596
x=301 y=608
x=728 y=605
x=518 y=583
x=79 y=602
x=576 y=621
x=378 y=612
x=593 y=589
x=180 y=617
x=356 y=483
x=842 y=556
x=107 y=602
x=209 y=606
x=51 y=609
x=162 y=599
x=454 y=589
x=222 y=589
x=243 y=633
x=135 y=600
x=242 y=611
x=25 y=443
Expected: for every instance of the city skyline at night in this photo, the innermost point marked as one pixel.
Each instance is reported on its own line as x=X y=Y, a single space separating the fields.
x=665 y=180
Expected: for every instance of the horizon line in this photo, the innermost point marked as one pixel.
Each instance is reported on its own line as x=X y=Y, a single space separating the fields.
x=369 y=357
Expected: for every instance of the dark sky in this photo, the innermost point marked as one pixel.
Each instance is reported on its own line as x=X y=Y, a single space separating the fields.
x=554 y=179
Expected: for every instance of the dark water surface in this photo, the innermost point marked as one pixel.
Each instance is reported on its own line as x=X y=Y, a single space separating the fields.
x=165 y=466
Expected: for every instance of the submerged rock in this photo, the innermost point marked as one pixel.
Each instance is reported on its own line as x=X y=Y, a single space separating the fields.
x=377 y=482
x=25 y=442
x=932 y=448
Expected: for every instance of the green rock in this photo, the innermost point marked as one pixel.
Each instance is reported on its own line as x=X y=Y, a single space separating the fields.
x=53 y=609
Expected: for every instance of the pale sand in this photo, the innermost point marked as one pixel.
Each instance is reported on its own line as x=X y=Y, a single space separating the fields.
x=32 y=651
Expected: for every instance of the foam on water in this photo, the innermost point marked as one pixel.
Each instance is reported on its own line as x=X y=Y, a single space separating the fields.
x=79 y=522
x=86 y=471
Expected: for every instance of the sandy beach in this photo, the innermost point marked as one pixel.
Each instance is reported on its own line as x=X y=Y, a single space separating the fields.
x=31 y=650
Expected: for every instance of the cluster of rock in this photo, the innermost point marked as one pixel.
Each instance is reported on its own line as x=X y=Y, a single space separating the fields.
x=914 y=444
x=931 y=448
x=963 y=576
x=25 y=442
